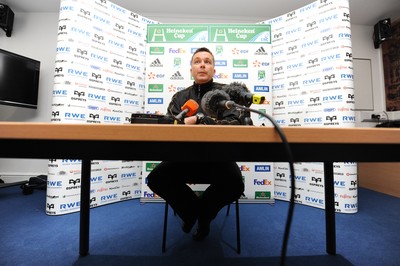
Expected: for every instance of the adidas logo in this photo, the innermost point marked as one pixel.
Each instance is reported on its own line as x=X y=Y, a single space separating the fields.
x=156 y=63
x=261 y=51
x=177 y=76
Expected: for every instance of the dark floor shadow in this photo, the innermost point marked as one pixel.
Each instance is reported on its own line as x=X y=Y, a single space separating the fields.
x=326 y=260
x=210 y=260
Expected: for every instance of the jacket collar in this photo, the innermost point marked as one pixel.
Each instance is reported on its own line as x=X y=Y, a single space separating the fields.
x=204 y=87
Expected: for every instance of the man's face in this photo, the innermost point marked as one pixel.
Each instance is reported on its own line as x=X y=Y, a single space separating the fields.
x=202 y=67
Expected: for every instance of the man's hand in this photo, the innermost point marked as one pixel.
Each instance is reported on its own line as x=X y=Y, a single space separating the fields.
x=190 y=120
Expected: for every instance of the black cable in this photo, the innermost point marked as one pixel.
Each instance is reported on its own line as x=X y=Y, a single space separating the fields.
x=292 y=190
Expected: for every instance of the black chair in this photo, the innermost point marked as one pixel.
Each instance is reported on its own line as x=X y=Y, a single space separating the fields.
x=227 y=213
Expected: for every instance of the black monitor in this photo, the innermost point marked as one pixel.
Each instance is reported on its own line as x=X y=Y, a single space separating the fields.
x=19 y=80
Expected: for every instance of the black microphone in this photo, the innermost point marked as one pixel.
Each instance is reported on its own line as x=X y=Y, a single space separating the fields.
x=189 y=108
x=240 y=94
x=214 y=101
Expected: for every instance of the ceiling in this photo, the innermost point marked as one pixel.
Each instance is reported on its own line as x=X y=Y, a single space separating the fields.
x=363 y=12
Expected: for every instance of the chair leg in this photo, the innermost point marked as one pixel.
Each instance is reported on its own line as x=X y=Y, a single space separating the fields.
x=165 y=227
x=238 y=248
x=237 y=228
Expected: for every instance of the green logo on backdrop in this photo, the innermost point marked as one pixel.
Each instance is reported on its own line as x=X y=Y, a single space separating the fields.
x=240 y=63
x=261 y=75
x=262 y=195
x=156 y=87
x=156 y=50
x=175 y=33
x=240 y=33
x=219 y=49
x=213 y=33
x=177 y=61
x=151 y=166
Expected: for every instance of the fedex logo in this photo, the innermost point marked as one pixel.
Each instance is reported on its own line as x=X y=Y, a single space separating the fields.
x=263 y=182
x=148 y=194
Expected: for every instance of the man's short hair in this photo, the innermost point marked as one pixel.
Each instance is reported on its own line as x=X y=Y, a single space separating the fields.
x=202 y=49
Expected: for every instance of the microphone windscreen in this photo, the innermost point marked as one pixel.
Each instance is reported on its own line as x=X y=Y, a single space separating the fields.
x=192 y=106
x=212 y=101
x=235 y=90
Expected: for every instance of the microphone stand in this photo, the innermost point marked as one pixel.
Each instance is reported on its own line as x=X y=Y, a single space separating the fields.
x=247 y=119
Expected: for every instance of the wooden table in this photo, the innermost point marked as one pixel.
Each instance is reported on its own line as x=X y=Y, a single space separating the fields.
x=197 y=143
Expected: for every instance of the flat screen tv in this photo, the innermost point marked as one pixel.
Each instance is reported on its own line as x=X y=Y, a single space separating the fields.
x=19 y=80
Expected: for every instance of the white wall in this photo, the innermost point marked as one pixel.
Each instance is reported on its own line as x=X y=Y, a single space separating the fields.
x=35 y=35
x=363 y=47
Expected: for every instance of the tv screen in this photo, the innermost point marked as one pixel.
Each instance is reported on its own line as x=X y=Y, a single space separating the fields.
x=19 y=80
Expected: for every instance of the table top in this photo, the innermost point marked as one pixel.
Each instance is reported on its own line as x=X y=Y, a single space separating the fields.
x=195 y=133
x=157 y=142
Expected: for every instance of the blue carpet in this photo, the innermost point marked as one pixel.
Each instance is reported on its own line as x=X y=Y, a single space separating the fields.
x=130 y=233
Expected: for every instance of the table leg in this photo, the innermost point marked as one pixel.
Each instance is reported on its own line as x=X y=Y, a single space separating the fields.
x=330 y=226
x=85 y=208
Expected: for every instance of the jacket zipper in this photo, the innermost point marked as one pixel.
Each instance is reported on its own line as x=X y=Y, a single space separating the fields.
x=198 y=93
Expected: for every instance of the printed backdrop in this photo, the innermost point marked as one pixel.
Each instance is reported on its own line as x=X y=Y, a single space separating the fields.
x=99 y=78
x=242 y=53
x=105 y=71
x=313 y=87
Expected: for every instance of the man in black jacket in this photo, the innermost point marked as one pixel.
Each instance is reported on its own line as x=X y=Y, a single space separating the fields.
x=170 y=178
